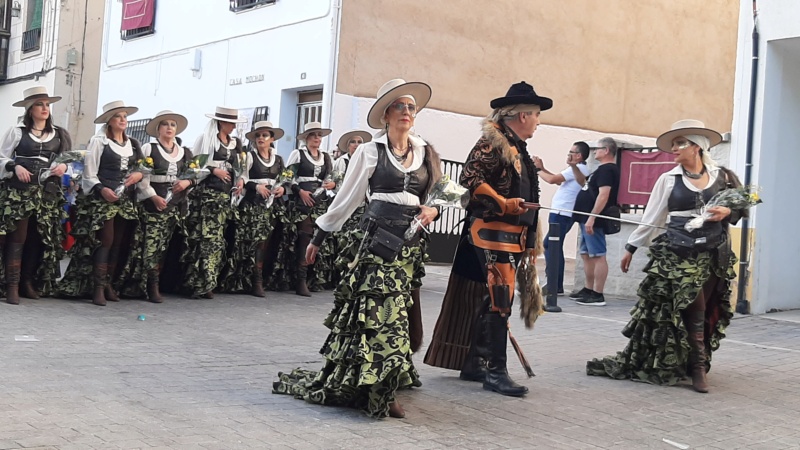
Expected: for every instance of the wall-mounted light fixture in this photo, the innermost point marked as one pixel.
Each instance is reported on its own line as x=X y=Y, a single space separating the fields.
x=16 y=9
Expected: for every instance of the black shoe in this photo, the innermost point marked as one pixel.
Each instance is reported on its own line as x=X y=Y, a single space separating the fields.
x=594 y=299
x=580 y=294
x=497 y=380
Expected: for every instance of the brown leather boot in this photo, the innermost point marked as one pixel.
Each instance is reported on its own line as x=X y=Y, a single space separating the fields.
x=30 y=255
x=695 y=325
x=28 y=291
x=258 y=271
x=110 y=294
x=13 y=269
x=415 y=333
x=153 y=292
x=302 y=285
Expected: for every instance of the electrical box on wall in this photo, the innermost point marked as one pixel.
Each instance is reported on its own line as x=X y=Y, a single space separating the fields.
x=72 y=57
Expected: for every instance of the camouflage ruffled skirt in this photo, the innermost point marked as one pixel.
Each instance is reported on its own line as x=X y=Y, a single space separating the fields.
x=48 y=209
x=209 y=212
x=92 y=214
x=367 y=353
x=284 y=275
x=658 y=349
x=254 y=225
x=150 y=243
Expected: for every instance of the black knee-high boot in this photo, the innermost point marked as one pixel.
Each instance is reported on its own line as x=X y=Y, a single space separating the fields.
x=497 y=378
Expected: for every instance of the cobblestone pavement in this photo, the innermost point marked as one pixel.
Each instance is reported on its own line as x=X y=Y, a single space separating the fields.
x=198 y=373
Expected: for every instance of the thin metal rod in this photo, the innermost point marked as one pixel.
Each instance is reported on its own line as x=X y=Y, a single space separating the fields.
x=633 y=222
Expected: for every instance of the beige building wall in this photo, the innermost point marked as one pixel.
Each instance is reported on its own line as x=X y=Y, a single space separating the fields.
x=80 y=31
x=615 y=66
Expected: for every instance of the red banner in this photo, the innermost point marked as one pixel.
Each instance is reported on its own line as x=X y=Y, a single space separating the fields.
x=638 y=174
x=137 y=14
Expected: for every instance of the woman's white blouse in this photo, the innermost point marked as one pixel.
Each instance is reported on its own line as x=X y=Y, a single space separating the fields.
x=10 y=142
x=94 y=151
x=657 y=211
x=356 y=182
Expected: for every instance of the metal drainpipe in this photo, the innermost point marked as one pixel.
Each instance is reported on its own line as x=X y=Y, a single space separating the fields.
x=742 y=305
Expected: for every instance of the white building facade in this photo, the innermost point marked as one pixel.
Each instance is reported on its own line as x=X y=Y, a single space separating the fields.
x=270 y=59
x=775 y=156
x=50 y=43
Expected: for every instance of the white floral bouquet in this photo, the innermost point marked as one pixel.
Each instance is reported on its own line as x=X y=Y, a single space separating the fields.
x=192 y=171
x=335 y=177
x=64 y=158
x=239 y=165
x=283 y=178
x=445 y=193
x=734 y=198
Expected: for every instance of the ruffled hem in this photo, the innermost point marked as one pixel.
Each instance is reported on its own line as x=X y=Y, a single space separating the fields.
x=658 y=349
x=209 y=213
x=254 y=224
x=367 y=353
x=48 y=209
x=92 y=214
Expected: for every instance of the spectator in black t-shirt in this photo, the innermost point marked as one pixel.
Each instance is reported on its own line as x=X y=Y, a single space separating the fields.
x=600 y=191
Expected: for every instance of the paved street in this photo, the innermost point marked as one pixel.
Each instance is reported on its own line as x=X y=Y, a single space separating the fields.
x=198 y=374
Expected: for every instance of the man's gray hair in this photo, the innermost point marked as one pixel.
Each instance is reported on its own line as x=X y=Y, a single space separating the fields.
x=610 y=144
x=507 y=113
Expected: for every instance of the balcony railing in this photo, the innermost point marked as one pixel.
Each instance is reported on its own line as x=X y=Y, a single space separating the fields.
x=242 y=5
x=137 y=32
x=31 y=40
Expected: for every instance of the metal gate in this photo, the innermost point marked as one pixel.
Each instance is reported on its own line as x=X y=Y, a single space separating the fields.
x=446 y=231
x=307 y=112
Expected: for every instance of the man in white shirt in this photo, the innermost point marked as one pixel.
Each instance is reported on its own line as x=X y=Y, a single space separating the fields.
x=570 y=182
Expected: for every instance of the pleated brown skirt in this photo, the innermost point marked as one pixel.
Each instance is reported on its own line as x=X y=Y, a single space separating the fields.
x=453 y=332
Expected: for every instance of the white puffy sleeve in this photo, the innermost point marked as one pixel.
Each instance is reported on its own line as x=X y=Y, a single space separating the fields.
x=91 y=164
x=354 y=188
x=655 y=213
x=7 y=146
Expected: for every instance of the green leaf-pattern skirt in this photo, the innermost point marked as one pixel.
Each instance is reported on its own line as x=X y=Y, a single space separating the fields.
x=150 y=242
x=48 y=209
x=92 y=214
x=367 y=353
x=204 y=254
x=254 y=224
x=658 y=349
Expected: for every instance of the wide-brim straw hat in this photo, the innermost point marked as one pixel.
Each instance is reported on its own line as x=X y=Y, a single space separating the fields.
x=684 y=128
x=152 y=126
x=312 y=127
x=522 y=93
x=33 y=94
x=109 y=109
x=277 y=133
x=223 y=114
x=344 y=141
x=391 y=91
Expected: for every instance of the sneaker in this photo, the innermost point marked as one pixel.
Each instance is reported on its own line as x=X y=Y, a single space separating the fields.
x=578 y=294
x=594 y=299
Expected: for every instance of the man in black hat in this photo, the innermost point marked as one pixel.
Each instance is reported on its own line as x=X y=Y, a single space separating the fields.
x=499 y=238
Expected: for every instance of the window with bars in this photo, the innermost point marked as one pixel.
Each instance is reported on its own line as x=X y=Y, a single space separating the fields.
x=32 y=36
x=260 y=113
x=136 y=130
x=244 y=5
x=138 y=19
x=5 y=36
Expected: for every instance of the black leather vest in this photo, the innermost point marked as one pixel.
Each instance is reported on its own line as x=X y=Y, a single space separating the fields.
x=222 y=154
x=29 y=154
x=161 y=167
x=684 y=199
x=388 y=179
x=112 y=169
x=306 y=168
x=260 y=171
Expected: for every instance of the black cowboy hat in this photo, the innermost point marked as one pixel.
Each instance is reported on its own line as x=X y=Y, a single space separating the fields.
x=522 y=93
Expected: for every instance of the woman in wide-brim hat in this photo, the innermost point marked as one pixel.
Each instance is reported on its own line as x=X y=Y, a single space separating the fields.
x=106 y=210
x=162 y=197
x=210 y=202
x=686 y=291
x=310 y=167
x=256 y=218
x=32 y=205
x=368 y=352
